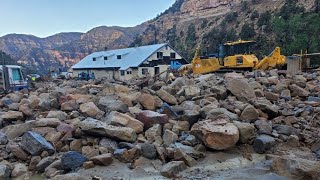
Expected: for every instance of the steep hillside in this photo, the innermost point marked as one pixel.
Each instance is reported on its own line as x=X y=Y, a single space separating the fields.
x=65 y=49
x=291 y=24
x=189 y=23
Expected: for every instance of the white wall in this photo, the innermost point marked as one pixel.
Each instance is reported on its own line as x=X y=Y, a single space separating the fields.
x=166 y=52
x=97 y=73
x=151 y=70
x=127 y=76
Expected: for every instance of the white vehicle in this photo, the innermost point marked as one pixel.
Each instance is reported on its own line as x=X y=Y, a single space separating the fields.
x=15 y=80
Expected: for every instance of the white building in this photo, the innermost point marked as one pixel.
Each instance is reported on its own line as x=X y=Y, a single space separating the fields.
x=124 y=64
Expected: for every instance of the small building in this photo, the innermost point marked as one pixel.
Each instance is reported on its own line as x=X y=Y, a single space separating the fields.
x=125 y=64
x=297 y=63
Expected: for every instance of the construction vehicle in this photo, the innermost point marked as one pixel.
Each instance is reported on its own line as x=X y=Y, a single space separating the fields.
x=233 y=56
x=11 y=78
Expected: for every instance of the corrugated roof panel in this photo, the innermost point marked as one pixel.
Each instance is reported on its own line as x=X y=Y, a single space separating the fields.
x=131 y=57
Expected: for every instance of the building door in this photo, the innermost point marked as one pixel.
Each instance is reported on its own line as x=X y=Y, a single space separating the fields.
x=156 y=70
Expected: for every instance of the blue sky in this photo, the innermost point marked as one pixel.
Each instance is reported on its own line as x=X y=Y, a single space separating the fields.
x=47 y=17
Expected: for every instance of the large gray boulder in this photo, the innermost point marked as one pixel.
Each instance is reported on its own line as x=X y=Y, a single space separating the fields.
x=241 y=89
x=263 y=127
x=178 y=83
x=110 y=144
x=169 y=137
x=3 y=139
x=220 y=91
x=109 y=103
x=35 y=144
x=296 y=168
x=12 y=116
x=102 y=160
x=192 y=116
x=191 y=91
x=44 y=163
x=249 y=114
x=165 y=96
x=214 y=135
x=97 y=128
x=119 y=119
x=221 y=112
x=266 y=106
x=91 y=110
x=154 y=133
x=4 y=171
x=17 y=130
x=19 y=169
x=298 y=91
x=246 y=131
x=263 y=143
x=189 y=150
x=47 y=122
x=147 y=101
x=69 y=105
x=72 y=160
x=57 y=114
x=149 y=151
x=172 y=169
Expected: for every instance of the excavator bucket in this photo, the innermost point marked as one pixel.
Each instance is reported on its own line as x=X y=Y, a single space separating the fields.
x=274 y=60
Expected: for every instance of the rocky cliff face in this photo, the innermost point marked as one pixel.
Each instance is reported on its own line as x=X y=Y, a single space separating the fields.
x=192 y=6
x=190 y=22
x=184 y=25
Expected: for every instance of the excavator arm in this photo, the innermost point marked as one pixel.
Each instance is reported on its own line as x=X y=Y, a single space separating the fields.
x=187 y=68
x=274 y=60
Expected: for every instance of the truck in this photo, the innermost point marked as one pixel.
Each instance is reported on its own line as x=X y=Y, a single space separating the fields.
x=11 y=78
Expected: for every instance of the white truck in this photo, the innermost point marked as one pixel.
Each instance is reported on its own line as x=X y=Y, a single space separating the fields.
x=11 y=78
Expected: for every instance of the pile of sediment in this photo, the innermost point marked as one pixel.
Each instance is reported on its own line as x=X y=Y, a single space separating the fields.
x=65 y=126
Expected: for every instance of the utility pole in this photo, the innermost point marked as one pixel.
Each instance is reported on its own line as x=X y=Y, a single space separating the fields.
x=3 y=59
x=155 y=33
x=2 y=53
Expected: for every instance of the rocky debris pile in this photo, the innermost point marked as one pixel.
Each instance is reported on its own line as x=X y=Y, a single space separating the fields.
x=76 y=124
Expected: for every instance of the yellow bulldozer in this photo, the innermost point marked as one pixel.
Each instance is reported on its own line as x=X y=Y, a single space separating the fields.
x=233 y=56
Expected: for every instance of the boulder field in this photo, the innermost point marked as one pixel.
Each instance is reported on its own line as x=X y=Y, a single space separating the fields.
x=63 y=126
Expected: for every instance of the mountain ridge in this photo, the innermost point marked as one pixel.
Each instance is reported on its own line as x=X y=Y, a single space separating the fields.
x=184 y=25
x=66 y=48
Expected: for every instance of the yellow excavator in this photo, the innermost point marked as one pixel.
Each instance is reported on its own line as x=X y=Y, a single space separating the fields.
x=235 y=56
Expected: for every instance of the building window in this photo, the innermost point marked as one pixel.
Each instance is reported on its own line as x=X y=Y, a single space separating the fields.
x=94 y=59
x=129 y=72
x=16 y=74
x=166 y=47
x=239 y=61
x=144 y=71
x=105 y=58
x=122 y=73
x=160 y=55
x=173 y=55
x=118 y=56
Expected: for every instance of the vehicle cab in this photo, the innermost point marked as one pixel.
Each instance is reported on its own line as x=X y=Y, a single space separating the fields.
x=15 y=78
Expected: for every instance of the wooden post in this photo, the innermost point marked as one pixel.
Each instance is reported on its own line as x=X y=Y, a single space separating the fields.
x=6 y=78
